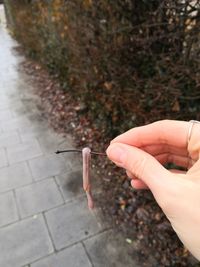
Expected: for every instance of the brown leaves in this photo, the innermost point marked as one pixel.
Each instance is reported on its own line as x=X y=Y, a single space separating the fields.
x=176 y=106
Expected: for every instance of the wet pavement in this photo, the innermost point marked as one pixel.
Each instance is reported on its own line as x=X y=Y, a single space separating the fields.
x=44 y=219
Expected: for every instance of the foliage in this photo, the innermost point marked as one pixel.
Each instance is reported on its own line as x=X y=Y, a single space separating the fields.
x=130 y=62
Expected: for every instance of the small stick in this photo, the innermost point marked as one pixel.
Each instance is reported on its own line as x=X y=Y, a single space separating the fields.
x=86 y=154
x=78 y=150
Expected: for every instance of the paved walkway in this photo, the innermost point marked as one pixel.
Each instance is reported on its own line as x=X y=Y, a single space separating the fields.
x=44 y=219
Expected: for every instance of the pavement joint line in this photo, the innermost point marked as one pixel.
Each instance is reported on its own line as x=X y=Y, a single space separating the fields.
x=59 y=188
x=29 y=168
x=9 y=224
x=6 y=153
x=88 y=255
x=49 y=232
x=20 y=137
x=18 y=218
x=16 y=202
x=37 y=139
x=42 y=258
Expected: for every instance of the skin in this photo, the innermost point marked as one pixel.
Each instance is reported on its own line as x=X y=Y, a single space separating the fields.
x=142 y=151
x=86 y=154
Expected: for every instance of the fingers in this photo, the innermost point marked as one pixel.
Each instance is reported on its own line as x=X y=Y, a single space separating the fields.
x=175 y=159
x=195 y=169
x=140 y=164
x=177 y=171
x=164 y=148
x=194 y=141
x=138 y=184
x=173 y=133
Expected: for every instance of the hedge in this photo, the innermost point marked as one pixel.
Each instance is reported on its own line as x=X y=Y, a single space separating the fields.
x=130 y=62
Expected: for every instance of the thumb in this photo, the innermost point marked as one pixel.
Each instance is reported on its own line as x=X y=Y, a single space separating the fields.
x=142 y=165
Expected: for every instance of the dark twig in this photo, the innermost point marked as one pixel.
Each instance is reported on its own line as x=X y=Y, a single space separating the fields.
x=80 y=151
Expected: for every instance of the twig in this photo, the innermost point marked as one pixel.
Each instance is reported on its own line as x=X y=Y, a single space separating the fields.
x=80 y=151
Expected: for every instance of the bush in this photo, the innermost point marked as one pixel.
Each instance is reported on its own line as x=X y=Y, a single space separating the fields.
x=130 y=62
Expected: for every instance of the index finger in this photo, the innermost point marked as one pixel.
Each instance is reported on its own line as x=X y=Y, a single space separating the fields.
x=170 y=132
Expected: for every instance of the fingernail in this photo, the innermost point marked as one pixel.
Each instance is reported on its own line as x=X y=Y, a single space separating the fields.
x=116 y=154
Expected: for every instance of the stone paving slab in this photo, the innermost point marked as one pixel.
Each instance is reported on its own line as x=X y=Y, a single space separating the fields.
x=15 y=123
x=14 y=176
x=3 y=158
x=23 y=151
x=109 y=249
x=8 y=209
x=47 y=166
x=24 y=242
x=5 y=115
x=74 y=256
x=9 y=139
x=71 y=184
x=38 y=197
x=71 y=223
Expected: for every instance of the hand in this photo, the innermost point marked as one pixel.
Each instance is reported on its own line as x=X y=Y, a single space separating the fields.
x=142 y=151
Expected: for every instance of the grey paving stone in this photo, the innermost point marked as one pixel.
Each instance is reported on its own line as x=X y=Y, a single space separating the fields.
x=4 y=103
x=5 y=114
x=74 y=256
x=9 y=139
x=38 y=197
x=8 y=209
x=14 y=176
x=34 y=130
x=24 y=151
x=47 y=166
x=74 y=160
x=3 y=158
x=24 y=242
x=109 y=249
x=71 y=223
x=33 y=135
x=15 y=123
x=71 y=184
x=51 y=141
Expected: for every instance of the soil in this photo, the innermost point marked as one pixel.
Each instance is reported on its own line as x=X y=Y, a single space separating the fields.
x=137 y=215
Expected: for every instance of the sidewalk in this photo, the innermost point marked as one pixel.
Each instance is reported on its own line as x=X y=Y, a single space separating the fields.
x=44 y=219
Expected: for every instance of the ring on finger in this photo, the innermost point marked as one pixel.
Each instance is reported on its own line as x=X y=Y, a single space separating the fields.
x=192 y=122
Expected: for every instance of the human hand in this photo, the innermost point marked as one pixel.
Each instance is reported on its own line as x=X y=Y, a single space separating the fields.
x=142 y=151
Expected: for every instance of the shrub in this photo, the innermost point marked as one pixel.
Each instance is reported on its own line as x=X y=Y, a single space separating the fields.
x=130 y=61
